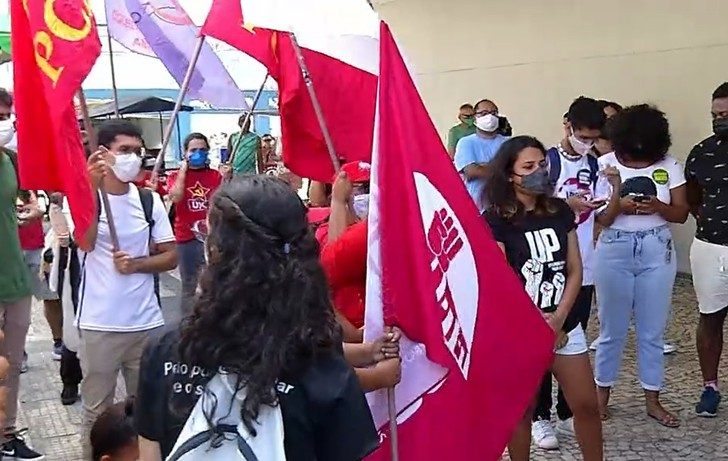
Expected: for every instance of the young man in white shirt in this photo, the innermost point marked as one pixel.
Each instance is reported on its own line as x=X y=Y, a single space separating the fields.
x=573 y=170
x=118 y=305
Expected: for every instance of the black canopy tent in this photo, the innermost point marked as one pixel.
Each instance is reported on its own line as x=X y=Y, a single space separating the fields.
x=129 y=105
x=136 y=105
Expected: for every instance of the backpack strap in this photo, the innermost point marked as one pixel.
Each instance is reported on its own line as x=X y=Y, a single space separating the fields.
x=147 y=198
x=594 y=167
x=216 y=436
x=554 y=165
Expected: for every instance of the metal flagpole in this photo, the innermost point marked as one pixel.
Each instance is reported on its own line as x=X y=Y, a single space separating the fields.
x=177 y=106
x=113 y=74
x=315 y=103
x=94 y=147
x=248 y=116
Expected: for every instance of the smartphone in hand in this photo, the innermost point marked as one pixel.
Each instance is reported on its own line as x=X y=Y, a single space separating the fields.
x=641 y=198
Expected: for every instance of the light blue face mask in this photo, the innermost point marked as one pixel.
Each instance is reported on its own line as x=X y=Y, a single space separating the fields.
x=360 y=205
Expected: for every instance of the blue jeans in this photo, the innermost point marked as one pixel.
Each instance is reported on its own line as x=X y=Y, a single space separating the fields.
x=191 y=259
x=635 y=273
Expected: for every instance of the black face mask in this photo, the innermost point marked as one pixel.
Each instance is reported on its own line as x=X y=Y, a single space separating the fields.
x=537 y=182
x=720 y=127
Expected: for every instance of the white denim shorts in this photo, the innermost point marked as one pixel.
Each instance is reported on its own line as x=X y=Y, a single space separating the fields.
x=576 y=344
x=709 y=263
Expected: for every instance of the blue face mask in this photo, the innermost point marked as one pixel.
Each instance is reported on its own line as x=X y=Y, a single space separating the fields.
x=198 y=158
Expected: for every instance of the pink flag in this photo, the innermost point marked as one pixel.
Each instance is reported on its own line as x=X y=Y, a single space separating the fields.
x=476 y=348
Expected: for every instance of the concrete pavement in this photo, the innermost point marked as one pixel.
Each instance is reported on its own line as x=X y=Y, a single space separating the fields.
x=630 y=435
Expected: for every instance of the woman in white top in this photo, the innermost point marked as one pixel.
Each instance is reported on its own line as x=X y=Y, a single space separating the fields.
x=635 y=256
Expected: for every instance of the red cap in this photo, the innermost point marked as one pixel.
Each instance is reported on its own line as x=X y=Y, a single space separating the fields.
x=357 y=171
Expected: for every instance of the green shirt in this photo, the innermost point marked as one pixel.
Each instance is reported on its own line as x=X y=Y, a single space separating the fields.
x=458 y=131
x=14 y=283
x=246 y=154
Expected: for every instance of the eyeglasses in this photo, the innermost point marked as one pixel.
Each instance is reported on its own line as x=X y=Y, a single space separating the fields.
x=123 y=150
x=482 y=113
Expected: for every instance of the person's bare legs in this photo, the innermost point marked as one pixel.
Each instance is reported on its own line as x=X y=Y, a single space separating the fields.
x=603 y=394
x=656 y=411
x=54 y=316
x=519 y=448
x=709 y=342
x=575 y=377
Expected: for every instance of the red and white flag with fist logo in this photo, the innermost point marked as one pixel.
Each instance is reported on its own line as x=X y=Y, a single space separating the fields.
x=474 y=347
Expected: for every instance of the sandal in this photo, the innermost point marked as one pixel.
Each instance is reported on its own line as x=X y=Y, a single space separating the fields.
x=665 y=418
x=656 y=411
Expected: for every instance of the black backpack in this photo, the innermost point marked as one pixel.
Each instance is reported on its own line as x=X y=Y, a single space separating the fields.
x=554 y=163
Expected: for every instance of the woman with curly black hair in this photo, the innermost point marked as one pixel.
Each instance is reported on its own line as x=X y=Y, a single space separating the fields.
x=537 y=233
x=259 y=361
x=635 y=255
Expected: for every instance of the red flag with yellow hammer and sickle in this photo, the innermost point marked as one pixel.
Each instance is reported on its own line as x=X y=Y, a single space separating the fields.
x=54 y=46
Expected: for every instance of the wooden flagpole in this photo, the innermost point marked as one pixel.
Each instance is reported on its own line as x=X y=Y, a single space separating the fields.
x=315 y=102
x=393 y=436
x=177 y=106
x=113 y=73
x=93 y=145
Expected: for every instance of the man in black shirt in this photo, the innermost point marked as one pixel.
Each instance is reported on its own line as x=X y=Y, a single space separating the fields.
x=706 y=171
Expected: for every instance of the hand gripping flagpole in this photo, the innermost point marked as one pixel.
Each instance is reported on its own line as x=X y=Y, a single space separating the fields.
x=315 y=102
x=177 y=106
x=248 y=117
x=393 y=437
x=93 y=145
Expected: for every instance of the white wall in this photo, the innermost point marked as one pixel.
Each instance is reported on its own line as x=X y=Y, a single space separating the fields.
x=533 y=57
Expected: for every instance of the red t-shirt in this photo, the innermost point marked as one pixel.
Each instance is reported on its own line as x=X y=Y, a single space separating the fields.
x=199 y=187
x=345 y=264
x=319 y=217
x=161 y=183
x=32 y=236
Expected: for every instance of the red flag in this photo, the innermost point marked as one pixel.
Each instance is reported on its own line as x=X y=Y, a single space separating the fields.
x=347 y=94
x=476 y=348
x=55 y=44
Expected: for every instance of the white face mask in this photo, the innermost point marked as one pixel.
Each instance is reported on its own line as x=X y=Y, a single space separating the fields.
x=579 y=146
x=127 y=167
x=488 y=123
x=361 y=205
x=7 y=131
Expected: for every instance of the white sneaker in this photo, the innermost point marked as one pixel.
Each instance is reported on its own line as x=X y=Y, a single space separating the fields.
x=544 y=436
x=566 y=428
x=668 y=348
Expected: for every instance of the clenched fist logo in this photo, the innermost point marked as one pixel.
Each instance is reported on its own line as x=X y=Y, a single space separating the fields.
x=443 y=239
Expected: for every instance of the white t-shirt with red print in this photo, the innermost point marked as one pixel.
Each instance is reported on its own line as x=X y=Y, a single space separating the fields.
x=576 y=177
